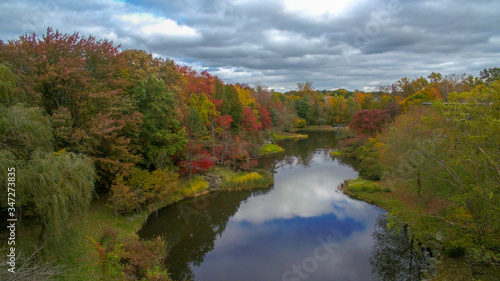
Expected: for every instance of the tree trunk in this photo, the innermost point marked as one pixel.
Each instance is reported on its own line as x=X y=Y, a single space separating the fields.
x=213 y=145
x=419 y=184
x=190 y=163
x=43 y=232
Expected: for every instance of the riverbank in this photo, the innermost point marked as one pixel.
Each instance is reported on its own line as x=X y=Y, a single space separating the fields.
x=406 y=206
x=286 y=136
x=77 y=252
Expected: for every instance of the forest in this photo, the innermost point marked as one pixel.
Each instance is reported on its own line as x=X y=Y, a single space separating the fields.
x=81 y=119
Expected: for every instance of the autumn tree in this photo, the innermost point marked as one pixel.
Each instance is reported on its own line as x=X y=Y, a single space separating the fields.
x=410 y=141
x=249 y=121
x=474 y=178
x=197 y=159
x=363 y=100
x=490 y=75
x=265 y=117
x=224 y=123
x=142 y=66
x=208 y=114
x=369 y=122
x=305 y=89
x=80 y=80
x=283 y=112
x=337 y=109
x=451 y=152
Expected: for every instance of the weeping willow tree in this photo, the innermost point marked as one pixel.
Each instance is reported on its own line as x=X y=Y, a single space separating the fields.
x=50 y=185
x=8 y=83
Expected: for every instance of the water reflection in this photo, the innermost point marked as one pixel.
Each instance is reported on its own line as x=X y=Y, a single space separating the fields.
x=304 y=191
x=395 y=255
x=299 y=229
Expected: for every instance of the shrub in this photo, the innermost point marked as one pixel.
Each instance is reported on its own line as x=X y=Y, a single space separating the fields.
x=361 y=185
x=246 y=166
x=455 y=252
x=197 y=185
x=123 y=198
x=370 y=169
x=130 y=258
x=344 y=134
x=269 y=148
x=142 y=188
x=300 y=123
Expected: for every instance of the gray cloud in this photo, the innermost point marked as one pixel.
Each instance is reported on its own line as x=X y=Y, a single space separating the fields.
x=368 y=43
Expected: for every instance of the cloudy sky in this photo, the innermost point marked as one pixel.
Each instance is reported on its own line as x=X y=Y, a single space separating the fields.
x=352 y=44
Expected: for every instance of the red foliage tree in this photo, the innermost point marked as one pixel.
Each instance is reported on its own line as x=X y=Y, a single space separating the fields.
x=265 y=117
x=369 y=122
x=249 y=121
x=199 y=161
x=80 y=82
x=197 y=83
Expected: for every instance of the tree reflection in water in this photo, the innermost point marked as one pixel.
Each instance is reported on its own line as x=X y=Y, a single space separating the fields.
x=195 y=224
x=396 y=256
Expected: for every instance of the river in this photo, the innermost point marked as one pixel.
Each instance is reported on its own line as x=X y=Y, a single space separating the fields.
x=301 y=228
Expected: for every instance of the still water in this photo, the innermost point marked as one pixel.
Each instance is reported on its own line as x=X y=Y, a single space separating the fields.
x=299 y=229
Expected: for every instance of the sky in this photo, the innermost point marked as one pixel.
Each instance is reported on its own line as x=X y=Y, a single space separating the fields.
x=351 y=44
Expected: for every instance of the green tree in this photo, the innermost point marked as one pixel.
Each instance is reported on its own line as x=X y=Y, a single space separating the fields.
x=451 y=152
x=53 y=185
x=475 y=176
x=196 y=130
x=162 y=135
x=490 y=75
x=410 y=143
x=303 y=108
x=9 y=93
x=232 y=106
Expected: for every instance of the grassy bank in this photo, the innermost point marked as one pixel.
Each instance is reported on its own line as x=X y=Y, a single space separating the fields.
x=286 y=136
x=234 y=181
x=336 y=153
x=407 y=206
x=315 y=128
x=269 y=148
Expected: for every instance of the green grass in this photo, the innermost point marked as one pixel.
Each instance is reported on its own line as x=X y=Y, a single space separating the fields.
x=336 y=153
x=316 y=128
x=287 y=136
x=234 y=181
x=74 y=249
x=269 y=148
x=361 y=185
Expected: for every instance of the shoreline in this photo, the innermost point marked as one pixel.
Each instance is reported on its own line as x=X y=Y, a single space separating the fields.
x=445 y=267
x=76 y=249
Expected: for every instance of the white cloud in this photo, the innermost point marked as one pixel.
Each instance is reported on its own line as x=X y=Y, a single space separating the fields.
x=317 y=7
x=304 y=193
x=150 y=24
x=282 y=42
